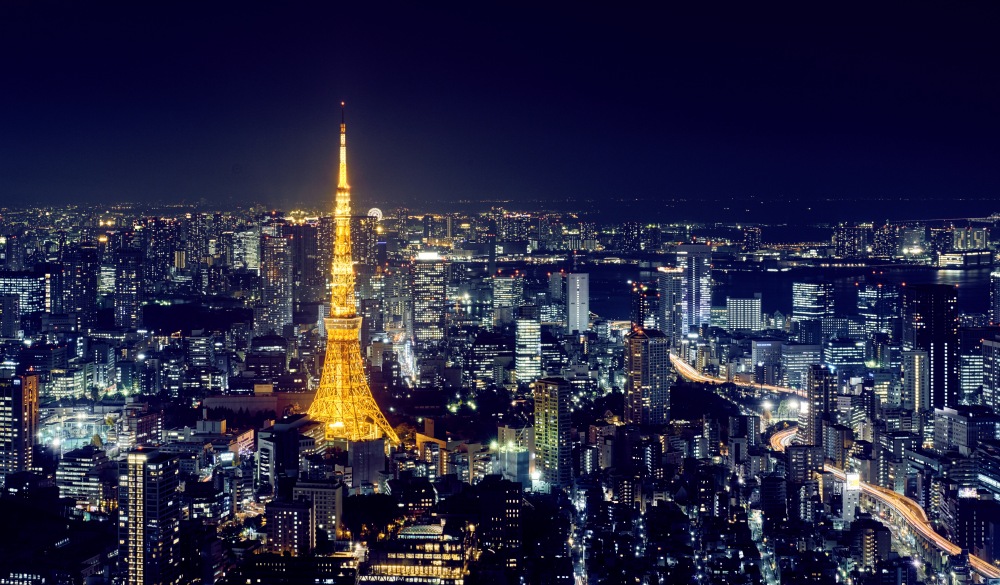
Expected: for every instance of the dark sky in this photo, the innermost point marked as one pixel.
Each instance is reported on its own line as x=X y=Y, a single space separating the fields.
x=239 y=101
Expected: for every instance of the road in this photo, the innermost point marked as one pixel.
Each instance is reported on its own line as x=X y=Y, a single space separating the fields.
x=689 y=373
x=906 y=508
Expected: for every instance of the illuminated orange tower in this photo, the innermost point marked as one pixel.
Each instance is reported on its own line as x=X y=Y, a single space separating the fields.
x=344 y=400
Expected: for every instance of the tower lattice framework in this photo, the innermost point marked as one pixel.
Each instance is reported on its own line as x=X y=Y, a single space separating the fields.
x=344 y=401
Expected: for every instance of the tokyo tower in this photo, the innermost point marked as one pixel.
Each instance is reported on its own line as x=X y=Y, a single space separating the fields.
x=344 y=401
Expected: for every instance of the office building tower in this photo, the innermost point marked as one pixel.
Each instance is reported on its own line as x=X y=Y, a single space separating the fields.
x=149 y=518
x=18 y=422
x=291 y=528
x=364 y=240
x=308 y=280
x=743 y=314
x=991 y=374
x=821 y=394
x=429 y=272
x=327 y=499
x=765 y=354
x=508 y=295
x=811 y=303
x=275 y=310
x=577 y=303
x=642 y=305
x=796 y=359
x=878 y=306
x=553 y=452
x=696 y=286
x=246 y=250
x=670 y=313
x=81 y=266
x=528 y=345
x=851 y=241
x=970 y=239
x=30 y=288
x=344 y=401
x=916 y=392
x=930 y=324
x=10 y=315
x=995 y=297
x=647 y=378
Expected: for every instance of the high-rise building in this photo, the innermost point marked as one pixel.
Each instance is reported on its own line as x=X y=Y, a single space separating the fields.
x=577 y=302
x=528 y=345
x=743 y=314
x=995 y=297
x=851 y=241
x=10 y=315
x=991 y=374
x=821 y=393
x=878 y=305
x=18 y=422
x=796 y=359
x=508 y=295
x=128 y=287
x=916 y=393
x=648 y=377
x=670 y=314
x=553 y=452
x=765 y=354
x=81 y=265
x=696 y=285
x=277 y=295
x=308 y=280
x=643 y=303
x=930 y=323
x=430 y=284
x=344 y=401
x=291 y=527
x=149 y=518
x=812 y=301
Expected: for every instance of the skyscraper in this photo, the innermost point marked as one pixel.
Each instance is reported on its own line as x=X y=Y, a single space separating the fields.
x=743 y=314
x=930 y=323
x=577 y=303
x=528 y=345
x=670 y=314
x=344 y=401
x=553 y=452
x=149 y=518
x=429 y=289
x=276 y=273
x=128 y=287
x=995 y=297
x=916 y=394
x=648 y=379
x=821 y=392
x=696 y=285
x=811 y=303
x=18 y=422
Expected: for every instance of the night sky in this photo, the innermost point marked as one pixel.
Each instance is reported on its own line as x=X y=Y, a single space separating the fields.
x=221 y=101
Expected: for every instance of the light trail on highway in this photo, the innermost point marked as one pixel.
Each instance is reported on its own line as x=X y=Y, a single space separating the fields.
x=910 y=511
x=690 y=373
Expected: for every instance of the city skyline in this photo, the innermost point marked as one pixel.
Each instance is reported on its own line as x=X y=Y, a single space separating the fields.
x=456 y=107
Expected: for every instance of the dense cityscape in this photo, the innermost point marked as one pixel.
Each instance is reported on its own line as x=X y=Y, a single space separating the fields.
x=332 y=396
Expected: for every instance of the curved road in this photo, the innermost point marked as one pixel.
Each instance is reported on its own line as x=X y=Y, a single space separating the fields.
x=689 y=373
x=903 y=506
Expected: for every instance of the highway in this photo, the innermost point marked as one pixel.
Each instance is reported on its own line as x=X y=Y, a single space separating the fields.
x=906 y=508
x=689 y=373
x=903 y=506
